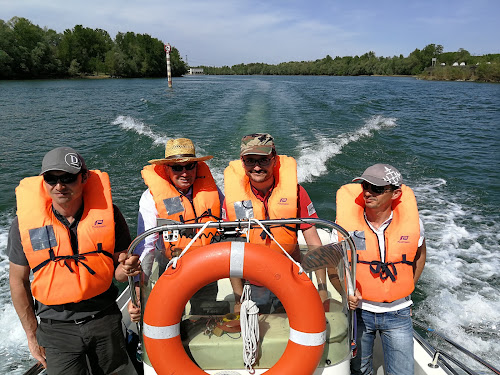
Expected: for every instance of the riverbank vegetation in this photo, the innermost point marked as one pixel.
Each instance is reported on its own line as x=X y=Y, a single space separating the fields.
x=28 y=51
x=419 y=63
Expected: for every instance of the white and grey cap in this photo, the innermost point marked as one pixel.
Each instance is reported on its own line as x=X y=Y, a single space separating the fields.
x=381 y=175
x=63 y=159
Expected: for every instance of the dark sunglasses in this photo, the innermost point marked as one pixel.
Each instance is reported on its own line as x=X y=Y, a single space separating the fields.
x=67 y=178
x=262 y=162
x=374 y=188
x=180 y=168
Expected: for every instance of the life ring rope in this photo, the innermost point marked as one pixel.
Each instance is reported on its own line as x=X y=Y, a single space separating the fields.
x=174 y=260
x=272 y=238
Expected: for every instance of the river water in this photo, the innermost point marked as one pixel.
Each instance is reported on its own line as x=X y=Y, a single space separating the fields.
x=443 y=136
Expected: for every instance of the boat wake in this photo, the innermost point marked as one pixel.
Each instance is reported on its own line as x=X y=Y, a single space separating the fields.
x=463 y=256
x=128 y=123
x=313 y=158
x=13 y=344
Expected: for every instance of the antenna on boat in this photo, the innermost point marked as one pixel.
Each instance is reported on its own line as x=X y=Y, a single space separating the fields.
x=168 y=48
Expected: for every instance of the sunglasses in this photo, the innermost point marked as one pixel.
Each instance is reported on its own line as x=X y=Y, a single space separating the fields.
x=374 y=188
x=180 y=168
x=264 y=162
x=67 y=178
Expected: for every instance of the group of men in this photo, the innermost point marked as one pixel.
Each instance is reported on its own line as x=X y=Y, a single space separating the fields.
x=74 y=240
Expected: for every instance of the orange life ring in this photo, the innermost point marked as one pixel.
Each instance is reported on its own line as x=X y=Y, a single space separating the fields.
x=259 y=263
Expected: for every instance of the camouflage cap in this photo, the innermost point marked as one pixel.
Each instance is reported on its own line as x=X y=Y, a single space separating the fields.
x=257 y=144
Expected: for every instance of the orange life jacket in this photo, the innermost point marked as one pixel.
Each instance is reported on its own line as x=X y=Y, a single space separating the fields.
x=241 y=202
x=171 y=204
x=59 y=275
x=392 y=279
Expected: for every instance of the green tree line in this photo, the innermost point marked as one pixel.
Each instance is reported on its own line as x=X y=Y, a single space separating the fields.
x=419 y=63
x=29 y=51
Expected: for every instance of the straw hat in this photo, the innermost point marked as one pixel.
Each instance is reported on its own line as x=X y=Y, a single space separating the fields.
x=179 y=150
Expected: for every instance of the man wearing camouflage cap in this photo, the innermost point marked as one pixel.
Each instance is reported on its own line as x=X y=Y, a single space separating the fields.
x=382 y=215
x=263 y=185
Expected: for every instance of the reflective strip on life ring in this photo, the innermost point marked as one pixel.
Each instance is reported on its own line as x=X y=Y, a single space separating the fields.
x=259 y=263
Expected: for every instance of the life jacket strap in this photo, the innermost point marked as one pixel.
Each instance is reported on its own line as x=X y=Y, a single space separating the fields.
x=386 y=270
x=76 y=257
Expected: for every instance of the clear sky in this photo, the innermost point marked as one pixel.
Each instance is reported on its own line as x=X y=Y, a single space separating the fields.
x=228 y=32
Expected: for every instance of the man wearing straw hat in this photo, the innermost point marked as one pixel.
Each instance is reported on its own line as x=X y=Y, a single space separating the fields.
x=180 y=188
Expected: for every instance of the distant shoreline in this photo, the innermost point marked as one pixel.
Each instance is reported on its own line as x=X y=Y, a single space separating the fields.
x=419 y=77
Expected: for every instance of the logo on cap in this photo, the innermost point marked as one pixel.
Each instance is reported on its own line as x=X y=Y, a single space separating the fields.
x=73 y=160
x=392 y=177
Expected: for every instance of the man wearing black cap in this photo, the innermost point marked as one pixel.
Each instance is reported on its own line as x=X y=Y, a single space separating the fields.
x=382 y=216
x=71 y=236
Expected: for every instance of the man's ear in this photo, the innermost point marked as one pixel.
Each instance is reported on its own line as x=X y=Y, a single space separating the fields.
x=396 y=193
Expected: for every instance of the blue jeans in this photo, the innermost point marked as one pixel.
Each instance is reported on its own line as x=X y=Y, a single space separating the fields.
x=396 y=332
x=266 y=300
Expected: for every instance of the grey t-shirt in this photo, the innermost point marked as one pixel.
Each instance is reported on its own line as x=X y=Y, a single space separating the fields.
x=82 y=309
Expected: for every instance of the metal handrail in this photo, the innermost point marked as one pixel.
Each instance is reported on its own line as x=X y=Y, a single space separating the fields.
x=459 y=347
x=243 y=224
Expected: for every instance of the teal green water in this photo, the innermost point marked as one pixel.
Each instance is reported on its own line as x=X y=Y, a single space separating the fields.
x=443 y=137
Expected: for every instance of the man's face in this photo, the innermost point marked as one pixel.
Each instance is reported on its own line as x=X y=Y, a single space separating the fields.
x=64 y=188
x=380 y=199
x=259 y=168
x=182 y=175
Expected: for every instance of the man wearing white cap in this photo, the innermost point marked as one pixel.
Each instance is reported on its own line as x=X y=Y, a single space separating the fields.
x=382 y=216
x=71 y=236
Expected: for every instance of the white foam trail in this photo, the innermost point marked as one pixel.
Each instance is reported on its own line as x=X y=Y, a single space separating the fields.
x=313 y=158
x=218 y=175
x=14 y=343
x=463 y=257
x=130 y=124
